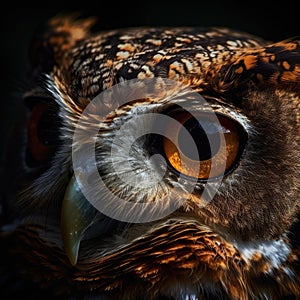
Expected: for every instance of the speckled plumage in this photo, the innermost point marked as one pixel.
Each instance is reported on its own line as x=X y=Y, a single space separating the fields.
x=243 y=245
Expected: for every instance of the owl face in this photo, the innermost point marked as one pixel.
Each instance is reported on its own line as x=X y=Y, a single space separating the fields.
x=159 y=163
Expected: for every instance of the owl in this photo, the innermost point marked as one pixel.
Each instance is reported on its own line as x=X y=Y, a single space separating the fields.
x=156 y=163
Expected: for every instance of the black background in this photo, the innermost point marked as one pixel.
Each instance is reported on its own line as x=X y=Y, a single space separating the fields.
x=270 y=21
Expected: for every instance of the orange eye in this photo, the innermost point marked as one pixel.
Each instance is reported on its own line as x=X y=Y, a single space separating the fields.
x=40 y=139
x=227 y=136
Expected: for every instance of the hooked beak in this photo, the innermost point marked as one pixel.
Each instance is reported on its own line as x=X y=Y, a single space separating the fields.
x=77 y=215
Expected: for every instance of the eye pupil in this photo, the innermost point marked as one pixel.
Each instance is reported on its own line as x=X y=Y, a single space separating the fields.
x=45 y=132
x=200 y=137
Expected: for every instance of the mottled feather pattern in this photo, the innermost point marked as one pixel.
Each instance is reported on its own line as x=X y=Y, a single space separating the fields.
x=277 y=63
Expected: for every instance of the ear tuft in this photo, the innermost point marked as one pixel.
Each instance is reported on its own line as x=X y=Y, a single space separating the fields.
x=57 y=36
x=277 y=63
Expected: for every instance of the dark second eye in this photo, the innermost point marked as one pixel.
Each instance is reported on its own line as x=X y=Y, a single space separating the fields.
x=42 y=132
x=218 y=140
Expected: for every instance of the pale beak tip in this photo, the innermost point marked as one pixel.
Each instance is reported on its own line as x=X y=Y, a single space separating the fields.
x=73 y=258
x=72 y=249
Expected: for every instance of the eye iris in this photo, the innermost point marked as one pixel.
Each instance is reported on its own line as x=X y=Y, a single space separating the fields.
x=234 y=137
x=201 y=133
x=215 y=155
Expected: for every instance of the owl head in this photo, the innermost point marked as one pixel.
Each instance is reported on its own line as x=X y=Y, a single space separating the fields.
x=158 y=163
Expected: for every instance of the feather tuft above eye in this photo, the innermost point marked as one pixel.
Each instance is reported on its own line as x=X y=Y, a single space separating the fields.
x=277 y=63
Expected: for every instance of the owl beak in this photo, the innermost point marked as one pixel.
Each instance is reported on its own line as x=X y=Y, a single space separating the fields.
x=77 y=215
